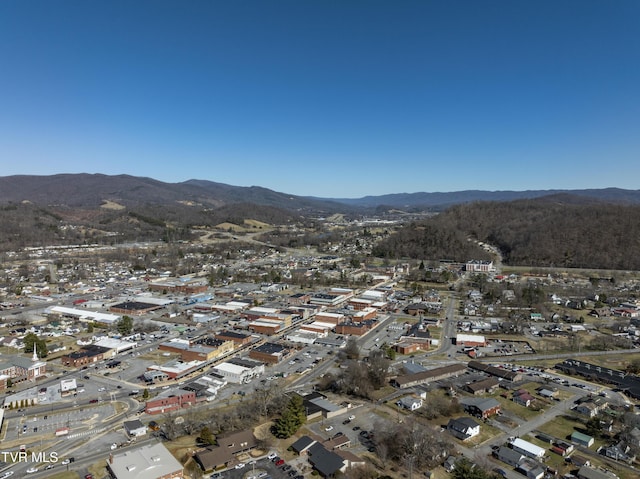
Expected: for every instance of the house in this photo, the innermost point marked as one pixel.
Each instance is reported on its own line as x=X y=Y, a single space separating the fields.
x=582 y=439
x=450 y=464
x=463 y=428
x=530 y=468
x=617 y=452
x=135 y=428
x=151 y=461
x=508 y=456
x=409 y=403
x=586 y=472
x=523 y=398
x=482 y=408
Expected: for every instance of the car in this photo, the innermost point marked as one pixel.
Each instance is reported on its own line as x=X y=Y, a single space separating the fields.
x=328 y=428
x=263 y=474
x=6 y=474
x=49 y=466
x=114 y=446
x=88 y=476
x=24 y=428
x=215 y=475
x=279 y=462
x=35 y=429
x=292 y=473
x=87 y=377
x=346 y=421
x=93 y=401
x=275 y=459
x=356 y=428
x=240 y=465
x=101 y=389
x=272 y=455
x=338 y=434
x=31 y=470
x=119 y=386
x=351 y=418
x=65 y=462
x=502 y=472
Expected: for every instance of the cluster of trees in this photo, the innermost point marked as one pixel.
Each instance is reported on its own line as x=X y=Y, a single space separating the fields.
x=291 y=418
x=411 y=445
x=541 y=232
x=360 y=377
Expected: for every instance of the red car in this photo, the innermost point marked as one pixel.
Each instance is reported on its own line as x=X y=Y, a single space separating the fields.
x=88 y=476
x=280 y=462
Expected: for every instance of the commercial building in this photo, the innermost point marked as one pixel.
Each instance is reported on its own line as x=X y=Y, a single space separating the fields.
x=151 y=461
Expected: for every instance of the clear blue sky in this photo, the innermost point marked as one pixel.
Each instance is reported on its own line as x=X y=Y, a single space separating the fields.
x=331 y=98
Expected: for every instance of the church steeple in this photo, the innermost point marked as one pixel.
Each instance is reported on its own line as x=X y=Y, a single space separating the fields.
x=35 y=353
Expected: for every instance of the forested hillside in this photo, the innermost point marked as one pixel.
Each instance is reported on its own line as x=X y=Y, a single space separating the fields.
x=559 y=231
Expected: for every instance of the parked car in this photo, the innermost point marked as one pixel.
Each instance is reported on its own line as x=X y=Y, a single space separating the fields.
x=240 y=465
x=279 y=462
x=328 y=428
x=272 y=455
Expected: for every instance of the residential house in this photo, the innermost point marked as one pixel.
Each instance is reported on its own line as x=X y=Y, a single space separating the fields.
x=409 y=403
x=224 y=453
x=582 y=439
x=523 y=398
x=463 y=428
x=508 y=456
x=482 y=408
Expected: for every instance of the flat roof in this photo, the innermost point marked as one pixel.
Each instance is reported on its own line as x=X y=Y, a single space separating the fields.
x=146 y=462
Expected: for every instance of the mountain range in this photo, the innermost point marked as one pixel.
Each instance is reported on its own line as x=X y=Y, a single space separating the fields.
x=94 y=190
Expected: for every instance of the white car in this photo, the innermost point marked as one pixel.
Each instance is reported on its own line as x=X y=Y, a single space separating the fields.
x=328 y=428
x=65 y=462
x=352 y=417
x=6 y=474
x=31 y=470
x=240 y=465
x=101 y=389
x=272 y=455
x=114 y=446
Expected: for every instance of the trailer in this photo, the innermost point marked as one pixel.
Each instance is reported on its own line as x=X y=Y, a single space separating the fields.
x=62 y=431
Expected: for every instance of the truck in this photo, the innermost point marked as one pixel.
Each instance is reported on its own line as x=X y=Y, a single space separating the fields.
x=62 y=431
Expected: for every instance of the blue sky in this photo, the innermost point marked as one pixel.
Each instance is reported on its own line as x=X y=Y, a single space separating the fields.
x=325 y=98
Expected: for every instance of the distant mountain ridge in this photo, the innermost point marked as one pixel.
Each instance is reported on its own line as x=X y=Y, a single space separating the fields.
x=84 y=190
x=442 y=200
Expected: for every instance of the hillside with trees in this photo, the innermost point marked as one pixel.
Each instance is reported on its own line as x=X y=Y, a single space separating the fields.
x=556 y=231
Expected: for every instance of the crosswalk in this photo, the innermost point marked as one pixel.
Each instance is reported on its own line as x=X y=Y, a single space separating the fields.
x=86 y=433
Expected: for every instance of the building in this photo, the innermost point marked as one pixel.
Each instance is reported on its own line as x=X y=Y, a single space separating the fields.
x=152 y=461
x=170 y=400
x=528 y=449
x=223 y=454
x=135 y=428
x=582 y=439
x=482 y=408
x=237 y=372
x=586 y=472
x=428 y=376
x=409 y=403
x=269 y=353
x=470 y=340
x=463 y=428
x=87 y=355
x=508 y=456
x=483 y=386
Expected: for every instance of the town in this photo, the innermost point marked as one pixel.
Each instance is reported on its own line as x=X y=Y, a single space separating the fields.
x=259 y=361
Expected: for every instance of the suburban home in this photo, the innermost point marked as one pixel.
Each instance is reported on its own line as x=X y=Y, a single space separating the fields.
x=409 y=403
x=463 y=428
x=523 y=398
x=508 y=456
x=586 y=472
x=530 y=468
x=482 y=408
x=302 y=445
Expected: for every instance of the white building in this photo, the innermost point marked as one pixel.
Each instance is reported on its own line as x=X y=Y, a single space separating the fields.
x=526 y=448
